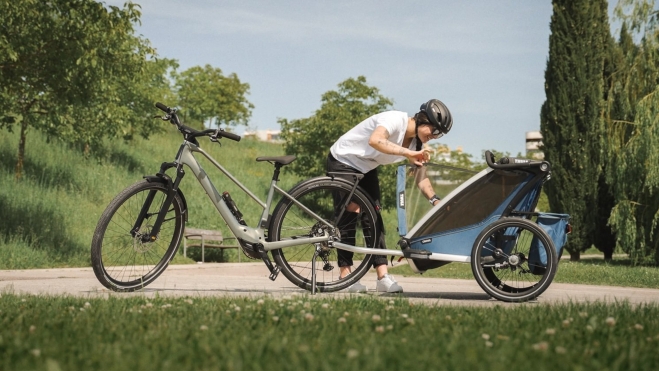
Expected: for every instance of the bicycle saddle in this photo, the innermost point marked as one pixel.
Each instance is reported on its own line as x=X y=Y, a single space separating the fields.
x=281 y=160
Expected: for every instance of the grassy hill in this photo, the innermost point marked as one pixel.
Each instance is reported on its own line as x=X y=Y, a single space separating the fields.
x=48 y=217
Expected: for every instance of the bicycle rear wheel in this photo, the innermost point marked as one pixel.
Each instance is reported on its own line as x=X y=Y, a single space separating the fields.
x=122 y=261
x=290 y=221
x=502 y=264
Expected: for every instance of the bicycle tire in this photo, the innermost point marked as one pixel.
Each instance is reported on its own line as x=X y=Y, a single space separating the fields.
x=512 y=280
x=121 y=261
x=290 y=221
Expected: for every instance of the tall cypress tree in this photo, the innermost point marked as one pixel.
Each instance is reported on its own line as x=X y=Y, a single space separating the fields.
x=570 y=118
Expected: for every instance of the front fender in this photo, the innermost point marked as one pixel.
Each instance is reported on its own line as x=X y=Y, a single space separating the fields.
x=168 y=182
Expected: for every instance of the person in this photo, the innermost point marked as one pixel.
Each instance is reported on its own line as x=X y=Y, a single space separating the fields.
x=381 y=139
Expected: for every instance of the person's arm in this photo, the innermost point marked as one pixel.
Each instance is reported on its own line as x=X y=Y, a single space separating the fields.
x=425 y=186
x=380 y=141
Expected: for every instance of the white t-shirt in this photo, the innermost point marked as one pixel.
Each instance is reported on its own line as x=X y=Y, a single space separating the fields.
x=353 y=149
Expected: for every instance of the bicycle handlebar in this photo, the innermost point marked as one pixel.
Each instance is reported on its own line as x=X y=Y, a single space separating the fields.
x=191 y=133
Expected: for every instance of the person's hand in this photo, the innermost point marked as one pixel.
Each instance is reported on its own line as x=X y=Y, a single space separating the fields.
x=419 y=158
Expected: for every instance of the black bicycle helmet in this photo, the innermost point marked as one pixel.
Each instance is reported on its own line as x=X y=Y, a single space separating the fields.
x=438 y=114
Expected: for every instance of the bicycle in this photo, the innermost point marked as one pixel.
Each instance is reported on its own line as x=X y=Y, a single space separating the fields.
x=513 y=257
x=140 y=231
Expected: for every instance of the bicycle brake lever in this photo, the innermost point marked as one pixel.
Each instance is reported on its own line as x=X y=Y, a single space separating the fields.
x=214 y=138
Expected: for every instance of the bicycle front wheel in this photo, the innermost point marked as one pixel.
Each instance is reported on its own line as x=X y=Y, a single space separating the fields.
x=121 y=258
x=290 y=221
x=506 y=260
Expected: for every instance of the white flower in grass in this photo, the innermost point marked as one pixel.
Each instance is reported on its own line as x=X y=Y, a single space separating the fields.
x=189 y=301
x=82 y=309
x=550 y=331
x=341 y=320
x=33 y=328
x=236 y=308
x=165 y=306
x=352 y=353
x=589 y=328
x=325 y=305
x=308 y=317
x=485 y=336
x=203 y=327
x=72 y=308
x=307 y=305
x=36 y=352
x=610 y=321
x=639 y=327
x=293 y=320
x=410 y=321
x=391 y=302
x=291 y=308
x=23 y=300
x=489 y=344
x=566 y=323
x=561 y=350
x=149 y=305
x=379 y=329
x=389 y=307
x=375 y=318
x=87 y=305
x=260 y=302
x=302 y=312
x=346 y=314
x=227 y=311
x=583 y=314
x=541 y=346
x=275 y=318
x=281 y=305
x=503 y=337
x=404 y=315
x=271 y=312
x=390 y=327
x=448 y=318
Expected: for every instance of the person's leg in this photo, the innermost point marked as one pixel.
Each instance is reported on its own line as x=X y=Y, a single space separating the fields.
x=347 y=226
x=385 y=282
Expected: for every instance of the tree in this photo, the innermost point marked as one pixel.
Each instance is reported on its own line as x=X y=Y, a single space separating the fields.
x=66 y=62
x=571 y=123
x=311 y=138
x=207 y=96
x=633 y=132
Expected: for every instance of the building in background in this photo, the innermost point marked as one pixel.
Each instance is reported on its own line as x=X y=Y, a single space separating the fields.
x=533 y=144
x=272 y=136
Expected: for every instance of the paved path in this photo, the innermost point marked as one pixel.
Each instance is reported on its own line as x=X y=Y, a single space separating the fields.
x=251 y=279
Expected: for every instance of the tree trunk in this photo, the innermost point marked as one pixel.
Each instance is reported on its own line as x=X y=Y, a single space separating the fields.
x=21 y=150
x=575 y=256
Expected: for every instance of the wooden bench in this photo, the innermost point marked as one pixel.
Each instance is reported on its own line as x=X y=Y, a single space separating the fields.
x=207 y=238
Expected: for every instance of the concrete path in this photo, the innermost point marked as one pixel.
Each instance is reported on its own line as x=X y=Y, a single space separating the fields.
x=251 y=279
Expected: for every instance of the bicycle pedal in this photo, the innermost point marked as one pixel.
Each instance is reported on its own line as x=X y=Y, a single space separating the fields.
x=328 y=267
x=274 y=273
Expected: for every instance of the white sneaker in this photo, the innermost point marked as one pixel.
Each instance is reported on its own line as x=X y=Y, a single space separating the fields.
x=357 y=287
x=388 y=284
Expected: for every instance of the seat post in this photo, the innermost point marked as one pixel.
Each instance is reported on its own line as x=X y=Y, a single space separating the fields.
x=275 y=176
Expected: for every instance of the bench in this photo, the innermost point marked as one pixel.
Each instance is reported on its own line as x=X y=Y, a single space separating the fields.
x=207 y=238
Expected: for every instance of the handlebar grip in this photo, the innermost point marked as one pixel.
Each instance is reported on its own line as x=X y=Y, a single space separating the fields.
x=162 y=107
x=231 y=136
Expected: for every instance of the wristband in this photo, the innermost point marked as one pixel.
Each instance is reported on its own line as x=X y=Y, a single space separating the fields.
x=433 y=199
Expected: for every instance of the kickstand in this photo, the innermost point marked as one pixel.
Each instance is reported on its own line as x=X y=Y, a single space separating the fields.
x=313 y=270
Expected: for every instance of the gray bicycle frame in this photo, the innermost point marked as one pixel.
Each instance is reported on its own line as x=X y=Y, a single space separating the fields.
x=254 y=235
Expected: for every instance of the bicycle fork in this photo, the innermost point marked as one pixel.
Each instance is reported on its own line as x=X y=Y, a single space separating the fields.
x=172 y=188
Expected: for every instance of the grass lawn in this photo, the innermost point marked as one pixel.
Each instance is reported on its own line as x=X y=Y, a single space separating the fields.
x=300 y=333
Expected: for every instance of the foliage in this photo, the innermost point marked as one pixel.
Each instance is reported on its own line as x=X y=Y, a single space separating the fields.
x=75 y=70
x=571 y=125
x=207 y=96
x=311 y=138
x=633 y=132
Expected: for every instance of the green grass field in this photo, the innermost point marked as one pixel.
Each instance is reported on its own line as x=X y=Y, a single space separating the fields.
x=300 y=333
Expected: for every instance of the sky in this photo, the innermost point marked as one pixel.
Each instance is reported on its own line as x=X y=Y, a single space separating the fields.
x=484 y=59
